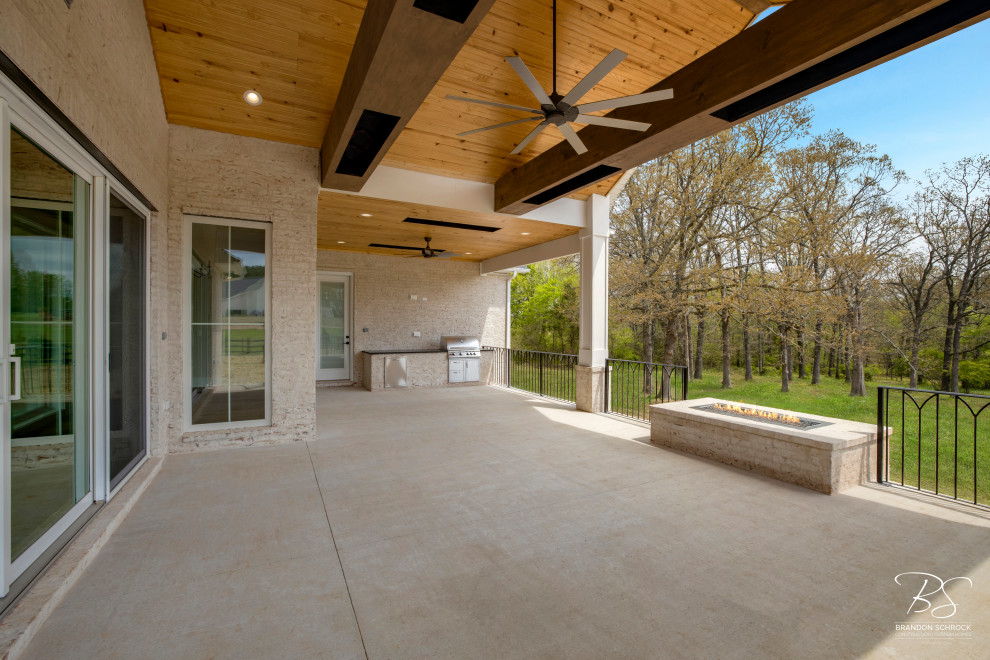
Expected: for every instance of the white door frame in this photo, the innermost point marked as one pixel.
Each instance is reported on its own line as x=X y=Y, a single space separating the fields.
x=348 y=280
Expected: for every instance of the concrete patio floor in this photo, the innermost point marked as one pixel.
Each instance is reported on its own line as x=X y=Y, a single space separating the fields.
x=474 y=522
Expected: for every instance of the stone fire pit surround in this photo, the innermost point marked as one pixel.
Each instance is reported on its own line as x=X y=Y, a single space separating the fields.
x=828 y=459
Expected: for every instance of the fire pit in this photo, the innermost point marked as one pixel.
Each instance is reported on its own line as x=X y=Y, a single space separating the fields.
x=822 y=453
x=747 y=412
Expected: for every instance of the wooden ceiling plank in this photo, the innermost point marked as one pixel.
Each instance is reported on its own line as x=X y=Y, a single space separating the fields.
x=339 y=220
x=399 y=55
x=789 y=41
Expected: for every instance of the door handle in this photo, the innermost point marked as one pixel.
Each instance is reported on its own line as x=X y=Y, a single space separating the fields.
x=16 y=396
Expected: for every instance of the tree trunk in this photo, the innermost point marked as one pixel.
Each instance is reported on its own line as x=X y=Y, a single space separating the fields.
x=848 y=357
x=785 y=371
x=956 y=337
x=747 y=352
x=947 y=345
x=857 y=385
x=831 y=359
x=801 y=371
x=670 y=326
x=915 y=349
x=649 y=328
x=699 y=364
x=687 y=345
x=760 y=355
x=726 y=350
x=816 y=364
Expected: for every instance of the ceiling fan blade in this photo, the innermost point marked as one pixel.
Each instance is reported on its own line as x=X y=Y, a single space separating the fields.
x=495 y=104
x=613 y=123
x=572 y=137
x=622 y=101
x=527 y=77
x=529 y=138
x=508 y=123
x=604 y=67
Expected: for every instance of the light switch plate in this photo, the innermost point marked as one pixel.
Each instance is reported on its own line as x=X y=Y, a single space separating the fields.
x=415 y=333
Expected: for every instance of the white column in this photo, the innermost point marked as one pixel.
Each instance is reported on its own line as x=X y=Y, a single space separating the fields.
x=593 y=337
x=594 y=284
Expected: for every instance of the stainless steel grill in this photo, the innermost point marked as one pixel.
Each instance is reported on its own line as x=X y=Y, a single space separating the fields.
x=463 y=358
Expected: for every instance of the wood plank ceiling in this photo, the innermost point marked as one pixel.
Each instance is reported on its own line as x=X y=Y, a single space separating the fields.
x=350 y=223
x=295 y=52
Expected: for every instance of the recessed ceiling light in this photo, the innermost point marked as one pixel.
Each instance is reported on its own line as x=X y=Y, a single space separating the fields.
x=525 y=233
x=252 y=97
x=366 y=215
x=467 y=253
x=341 y=242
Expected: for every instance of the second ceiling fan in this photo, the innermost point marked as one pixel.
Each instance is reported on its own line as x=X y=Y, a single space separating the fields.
x=562 y=110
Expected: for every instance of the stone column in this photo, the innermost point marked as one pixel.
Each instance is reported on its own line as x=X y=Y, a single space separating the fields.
x=590 y=373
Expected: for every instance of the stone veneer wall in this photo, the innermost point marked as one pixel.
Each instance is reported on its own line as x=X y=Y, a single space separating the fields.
x=459 y=300
x=229 y=176
x=95 y=62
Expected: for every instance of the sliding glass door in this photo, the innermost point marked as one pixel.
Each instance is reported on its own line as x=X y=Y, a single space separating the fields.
x=48 y=443
x=73 y=337
x=126 y=414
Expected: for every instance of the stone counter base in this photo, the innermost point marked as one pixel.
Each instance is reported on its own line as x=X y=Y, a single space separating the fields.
x=423 y=370
x=828 y=459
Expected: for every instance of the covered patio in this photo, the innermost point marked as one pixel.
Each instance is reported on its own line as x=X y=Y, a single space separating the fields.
x=481 y=522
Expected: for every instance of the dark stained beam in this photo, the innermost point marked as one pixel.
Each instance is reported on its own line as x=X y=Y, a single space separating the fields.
x=402 y=49
x=803 y=47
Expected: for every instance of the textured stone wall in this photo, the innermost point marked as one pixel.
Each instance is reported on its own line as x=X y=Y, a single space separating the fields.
x=458 y=300
x=828 y=459
x=95 y=62
x=228 y=176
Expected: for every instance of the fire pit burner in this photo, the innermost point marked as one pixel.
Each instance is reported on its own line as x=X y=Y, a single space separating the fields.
x=789 y=420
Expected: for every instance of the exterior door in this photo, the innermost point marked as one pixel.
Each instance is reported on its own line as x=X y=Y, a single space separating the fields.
x=47 y=444
x=333 y=332
x=126 y=309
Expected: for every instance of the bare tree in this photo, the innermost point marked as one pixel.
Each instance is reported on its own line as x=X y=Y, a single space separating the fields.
x=956 y=226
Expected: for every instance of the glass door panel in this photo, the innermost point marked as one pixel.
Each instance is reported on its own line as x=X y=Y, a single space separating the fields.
x=333 y=339
x=126 y=334
x=228 y=307
x=49 y=442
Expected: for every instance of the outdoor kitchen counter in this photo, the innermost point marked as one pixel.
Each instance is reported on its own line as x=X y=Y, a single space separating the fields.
x=398 y=351
x=425 y=367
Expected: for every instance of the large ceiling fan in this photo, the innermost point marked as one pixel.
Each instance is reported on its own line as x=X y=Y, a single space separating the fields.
x=562 y=110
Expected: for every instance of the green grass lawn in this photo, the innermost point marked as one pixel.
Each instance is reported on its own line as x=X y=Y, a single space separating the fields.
x=955 y=452
x=938 y=429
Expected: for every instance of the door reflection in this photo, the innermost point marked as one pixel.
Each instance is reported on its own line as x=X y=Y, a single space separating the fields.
x=49 y=451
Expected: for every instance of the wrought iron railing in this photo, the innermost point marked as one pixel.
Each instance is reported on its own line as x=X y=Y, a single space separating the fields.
x=932 y=441
x=632 y=387
x=546 y=374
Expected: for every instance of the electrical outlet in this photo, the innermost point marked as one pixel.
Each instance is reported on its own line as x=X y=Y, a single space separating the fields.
x=413 y=296
x=415 y=333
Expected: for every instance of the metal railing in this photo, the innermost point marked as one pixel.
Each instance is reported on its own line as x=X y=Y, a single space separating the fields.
x=632 y=387
x=932 y=441
x=546 y=374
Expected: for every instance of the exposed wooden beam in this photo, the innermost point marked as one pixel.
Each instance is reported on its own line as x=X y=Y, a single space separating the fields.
x=807 y=45
x=402 y=49
x=755 y=7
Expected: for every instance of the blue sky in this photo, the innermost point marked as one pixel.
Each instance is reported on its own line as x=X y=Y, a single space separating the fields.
x=924 y=108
